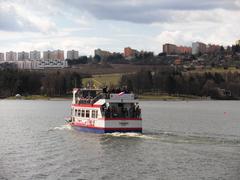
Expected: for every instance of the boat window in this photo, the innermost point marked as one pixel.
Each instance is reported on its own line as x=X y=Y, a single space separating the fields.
x=83 y=113
x=75 y=112
x=93 y=113
x=96 y=114
x=87 y=113
x=79 y=112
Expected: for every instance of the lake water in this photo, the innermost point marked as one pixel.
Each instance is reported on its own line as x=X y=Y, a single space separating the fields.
x=181 y=140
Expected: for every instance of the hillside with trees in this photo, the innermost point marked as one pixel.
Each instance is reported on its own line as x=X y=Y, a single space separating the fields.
x=174 y=82
x=158 y=80
x=57 y=83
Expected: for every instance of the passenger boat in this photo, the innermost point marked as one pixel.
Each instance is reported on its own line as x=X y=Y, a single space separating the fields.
x=102 y=111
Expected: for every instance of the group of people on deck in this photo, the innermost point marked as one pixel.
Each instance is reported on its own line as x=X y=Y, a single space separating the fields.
x=82 y=100
x=89 y=98
x=120 y=112
x=115 y=90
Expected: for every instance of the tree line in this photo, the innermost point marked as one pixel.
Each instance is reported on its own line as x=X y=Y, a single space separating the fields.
x=225 y=85
x=56 y=83
x=172 y=81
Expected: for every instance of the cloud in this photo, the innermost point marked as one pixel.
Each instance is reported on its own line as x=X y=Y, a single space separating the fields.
x=174 y=37
x=141 y=11
x=27 y=41
x=112 y=24
x=10 y=21
x=20 y=15
x=16 y=17
x=156 y=4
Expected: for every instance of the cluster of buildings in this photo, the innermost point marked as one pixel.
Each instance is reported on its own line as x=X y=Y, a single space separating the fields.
x=197 y=48
x=170 y=49
x=128 y=53
x=201 y=48
x=36 y=60
x=36 y=55
x=56 y=59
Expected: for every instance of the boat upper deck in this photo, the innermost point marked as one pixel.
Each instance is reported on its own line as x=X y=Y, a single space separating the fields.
x=99 y=97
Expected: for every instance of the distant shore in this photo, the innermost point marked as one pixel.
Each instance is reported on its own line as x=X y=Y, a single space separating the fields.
x=140 y=97
x=39 y=97
x=170 y=98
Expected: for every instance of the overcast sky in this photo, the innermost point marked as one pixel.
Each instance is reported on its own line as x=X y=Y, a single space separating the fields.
x=85 y=25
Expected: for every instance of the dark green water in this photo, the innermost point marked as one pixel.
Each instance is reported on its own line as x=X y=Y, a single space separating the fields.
x=181 y=140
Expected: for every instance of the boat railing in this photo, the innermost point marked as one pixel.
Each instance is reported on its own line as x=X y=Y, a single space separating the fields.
x=90 y=100
x=99 y=96
x=108 y=95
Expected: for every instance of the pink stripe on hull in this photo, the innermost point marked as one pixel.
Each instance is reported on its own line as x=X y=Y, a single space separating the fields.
x=109 y=129
x=122 y=119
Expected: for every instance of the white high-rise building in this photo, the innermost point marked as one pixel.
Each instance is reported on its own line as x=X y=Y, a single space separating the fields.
x=11 y=56
x=72 y=54
x=23 y=56
x=35 y=55
x=1 y=56
x=198 y=47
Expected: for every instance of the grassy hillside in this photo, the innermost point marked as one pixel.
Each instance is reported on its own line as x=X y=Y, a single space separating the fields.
x=94 y=69
x=104 y=79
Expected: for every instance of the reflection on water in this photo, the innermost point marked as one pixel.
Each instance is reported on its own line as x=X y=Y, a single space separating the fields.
x=181 y=140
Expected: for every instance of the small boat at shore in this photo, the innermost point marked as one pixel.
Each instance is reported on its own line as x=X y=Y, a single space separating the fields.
x=101 y=111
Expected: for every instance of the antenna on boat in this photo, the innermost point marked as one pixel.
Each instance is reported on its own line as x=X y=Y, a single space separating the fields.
x=75 y=83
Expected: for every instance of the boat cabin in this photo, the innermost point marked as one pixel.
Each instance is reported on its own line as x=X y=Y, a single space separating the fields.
x=111 y=104
x=121 y=110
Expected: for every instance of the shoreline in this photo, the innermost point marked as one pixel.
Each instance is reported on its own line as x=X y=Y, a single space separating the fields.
x=39 y=97
x=171 y=98
x=140 y=97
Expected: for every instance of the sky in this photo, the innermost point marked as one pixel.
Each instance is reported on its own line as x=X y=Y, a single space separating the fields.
x=85 y=25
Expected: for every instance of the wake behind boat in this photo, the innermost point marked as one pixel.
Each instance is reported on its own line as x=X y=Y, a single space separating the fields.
x=102 y=111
